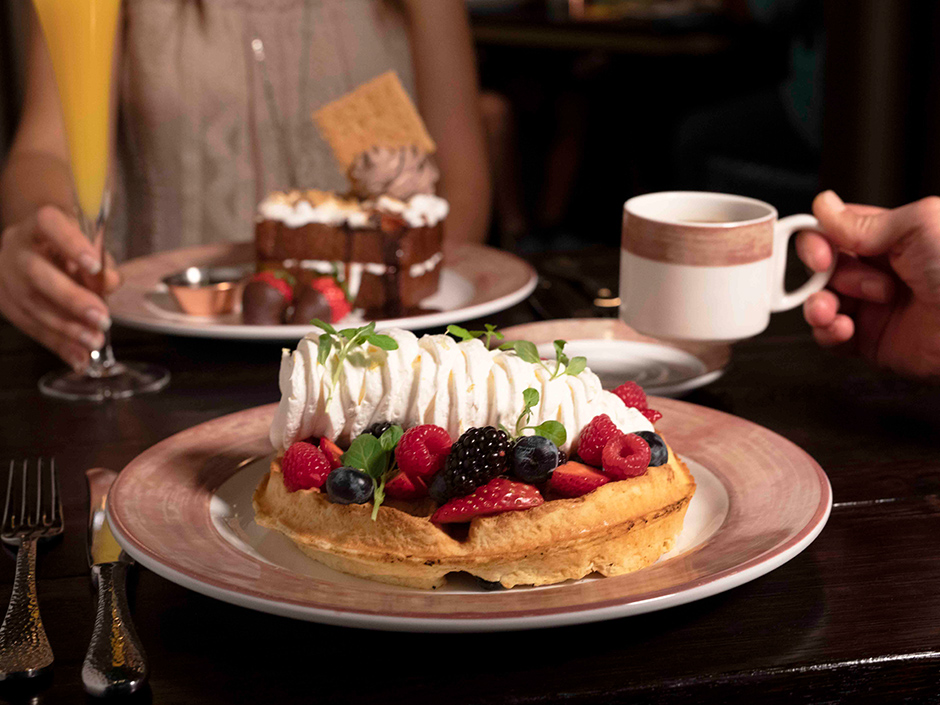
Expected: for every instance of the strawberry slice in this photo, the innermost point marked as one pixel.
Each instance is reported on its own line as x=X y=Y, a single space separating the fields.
x=575 y=479
x=403 y=487
x=497 y=496
x=332 y=452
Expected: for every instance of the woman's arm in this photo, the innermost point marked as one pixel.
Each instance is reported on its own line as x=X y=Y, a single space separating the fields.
x=43 y=253
x=449 y=98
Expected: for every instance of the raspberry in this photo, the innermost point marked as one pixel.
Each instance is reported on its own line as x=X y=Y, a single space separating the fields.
x=339 y=304
x=478 y=456
x=651 y=414
x=632 y=395
x=276 y=280
x=304 y=466
x=422 y=450
x=625 y=456
x=594 y=437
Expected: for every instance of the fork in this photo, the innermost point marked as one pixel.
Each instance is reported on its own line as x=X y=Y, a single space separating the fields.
x=24 y=647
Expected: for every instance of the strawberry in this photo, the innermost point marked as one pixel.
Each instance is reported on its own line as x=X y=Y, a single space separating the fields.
x=632 y=395
x=335 y=297
x=403 y=487
x=497 y=496
x=304 y=466
x=422 y=450
x=575 y=479
x=277 y=280
x=625 y=456
x=332 y=452
x=594 y=437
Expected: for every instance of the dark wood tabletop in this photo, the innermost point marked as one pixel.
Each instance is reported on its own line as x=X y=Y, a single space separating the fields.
x=854 y=618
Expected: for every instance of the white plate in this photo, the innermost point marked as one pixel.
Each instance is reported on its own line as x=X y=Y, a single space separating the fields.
x=476 y=281
x=183 y=509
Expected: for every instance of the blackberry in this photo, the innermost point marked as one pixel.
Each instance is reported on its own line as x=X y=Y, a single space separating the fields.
x=562 y=457
x=378 y=428
x=478 y=456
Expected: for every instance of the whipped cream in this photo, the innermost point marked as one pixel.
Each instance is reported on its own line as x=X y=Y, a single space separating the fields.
x=297 y=209
x=432 y=380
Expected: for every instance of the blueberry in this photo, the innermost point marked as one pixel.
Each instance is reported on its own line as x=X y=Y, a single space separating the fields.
x=349 y=486
x=438 y=488
x=659 y=454
x=534 y=459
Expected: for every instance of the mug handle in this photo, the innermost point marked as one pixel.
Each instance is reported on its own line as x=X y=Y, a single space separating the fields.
x=782 y=300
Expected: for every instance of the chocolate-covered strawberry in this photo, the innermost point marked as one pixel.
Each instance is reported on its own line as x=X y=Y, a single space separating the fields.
x=311 y=304
x=266 y=298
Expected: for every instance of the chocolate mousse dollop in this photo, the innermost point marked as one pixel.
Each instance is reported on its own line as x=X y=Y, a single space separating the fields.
x=400 y=172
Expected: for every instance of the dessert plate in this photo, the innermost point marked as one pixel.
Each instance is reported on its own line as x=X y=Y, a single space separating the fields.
x=476 y=281
x=183 y=509
x=615 y=352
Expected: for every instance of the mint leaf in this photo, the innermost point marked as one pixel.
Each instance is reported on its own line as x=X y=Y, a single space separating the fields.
x=527 y=351
x=576 y=366
x=350 y=333
x=366 y=454
x=390 y=438
x=553 y=431
x=530 y=397
x=560 y=351
x=324 y=325
x=324 y=345
x=460 y=333
x=507 y=346
x=386 y=342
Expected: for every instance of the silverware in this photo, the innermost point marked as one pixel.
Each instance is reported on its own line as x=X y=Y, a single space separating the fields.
x=24 y=647
x=115 y=663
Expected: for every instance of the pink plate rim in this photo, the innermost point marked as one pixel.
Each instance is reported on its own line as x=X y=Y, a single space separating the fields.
x=779 y=501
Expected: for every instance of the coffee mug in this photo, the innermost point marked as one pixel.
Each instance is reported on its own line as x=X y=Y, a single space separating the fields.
x=707 y=266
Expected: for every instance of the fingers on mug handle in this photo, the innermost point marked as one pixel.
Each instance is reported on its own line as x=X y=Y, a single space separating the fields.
x=781 y=299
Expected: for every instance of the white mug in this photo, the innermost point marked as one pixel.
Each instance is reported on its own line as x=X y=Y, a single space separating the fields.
x=707 y=266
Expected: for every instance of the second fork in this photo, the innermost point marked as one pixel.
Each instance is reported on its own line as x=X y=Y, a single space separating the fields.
x=24 y=648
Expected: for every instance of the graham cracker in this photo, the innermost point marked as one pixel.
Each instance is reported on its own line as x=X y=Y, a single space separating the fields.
x=378 y=113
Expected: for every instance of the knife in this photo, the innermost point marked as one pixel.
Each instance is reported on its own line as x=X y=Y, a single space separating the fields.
x=115 y=663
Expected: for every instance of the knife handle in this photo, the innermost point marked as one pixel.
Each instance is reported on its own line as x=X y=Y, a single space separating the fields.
x=115 y=663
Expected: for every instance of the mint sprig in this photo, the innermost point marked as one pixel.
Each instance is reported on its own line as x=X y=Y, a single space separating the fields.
x=528 y=352
x=345 y=341
x=488 y=334
x=552 y=430
x=376 y=458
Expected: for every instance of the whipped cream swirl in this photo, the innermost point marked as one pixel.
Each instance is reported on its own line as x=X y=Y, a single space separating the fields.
x=432 y=380
x=400 y=173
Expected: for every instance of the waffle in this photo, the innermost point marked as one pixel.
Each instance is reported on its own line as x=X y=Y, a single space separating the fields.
x=618 y=528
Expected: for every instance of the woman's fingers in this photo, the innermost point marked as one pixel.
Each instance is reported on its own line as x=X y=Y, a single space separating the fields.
x=66 y=237
x=73 y=353
x=838 y=332
x=56 y=286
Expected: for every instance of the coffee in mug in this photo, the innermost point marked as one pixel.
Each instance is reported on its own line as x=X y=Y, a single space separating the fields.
x=707 y=266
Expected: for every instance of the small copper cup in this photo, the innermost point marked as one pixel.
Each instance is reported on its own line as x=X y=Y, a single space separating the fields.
x=207 y=291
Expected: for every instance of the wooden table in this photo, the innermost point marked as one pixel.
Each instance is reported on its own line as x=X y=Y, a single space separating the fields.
x=854 y=618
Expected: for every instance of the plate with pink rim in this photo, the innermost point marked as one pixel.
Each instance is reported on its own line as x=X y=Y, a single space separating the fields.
x=475 y=281
x=183 y=509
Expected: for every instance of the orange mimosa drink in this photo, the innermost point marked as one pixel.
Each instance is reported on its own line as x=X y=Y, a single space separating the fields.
x=80 y=35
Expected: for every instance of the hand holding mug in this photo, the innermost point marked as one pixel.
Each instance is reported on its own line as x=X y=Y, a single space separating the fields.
x=885 y=297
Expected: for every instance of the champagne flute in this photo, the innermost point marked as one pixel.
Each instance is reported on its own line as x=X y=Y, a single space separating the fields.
x=80 y=36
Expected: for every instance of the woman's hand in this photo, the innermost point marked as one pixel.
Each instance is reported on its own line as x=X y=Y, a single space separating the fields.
x=885 y=301
x=47 y=271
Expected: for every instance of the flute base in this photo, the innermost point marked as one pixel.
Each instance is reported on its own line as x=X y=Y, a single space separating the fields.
x=118 y=381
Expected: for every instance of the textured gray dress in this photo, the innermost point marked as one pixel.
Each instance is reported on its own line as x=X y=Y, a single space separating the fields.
x=196 y=144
